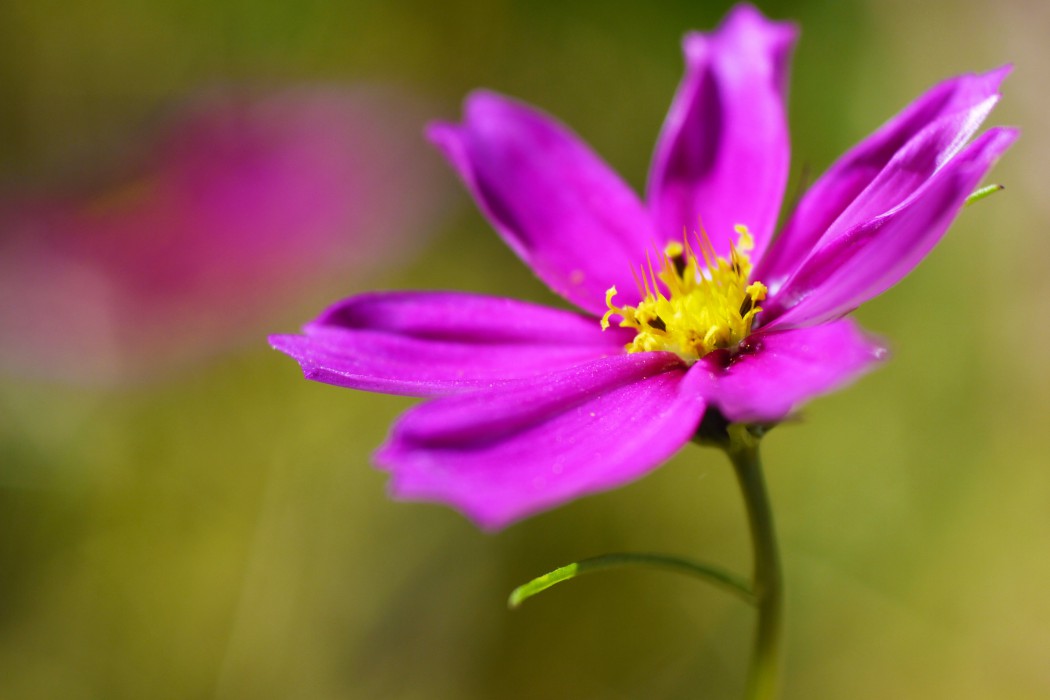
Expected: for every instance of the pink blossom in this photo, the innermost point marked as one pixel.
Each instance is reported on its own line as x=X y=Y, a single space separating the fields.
x=537 y=406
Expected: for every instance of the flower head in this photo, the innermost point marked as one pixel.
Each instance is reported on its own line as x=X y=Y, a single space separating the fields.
x=689 y=302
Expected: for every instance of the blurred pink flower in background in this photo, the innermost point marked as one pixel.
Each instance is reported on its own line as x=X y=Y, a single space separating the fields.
x=238 y=210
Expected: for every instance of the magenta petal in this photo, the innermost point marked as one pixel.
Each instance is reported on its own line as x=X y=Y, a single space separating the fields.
x=432 y=343
x=557 y=205
x=870 y=258
x=503 y=454
x=779 y=371
x=929 y=131
x=723 y=153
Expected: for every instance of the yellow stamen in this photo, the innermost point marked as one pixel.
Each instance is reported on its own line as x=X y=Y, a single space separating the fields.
x=706 y=306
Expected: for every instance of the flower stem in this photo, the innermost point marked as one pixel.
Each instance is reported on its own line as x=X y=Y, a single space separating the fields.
x=712 y=574
x=767 y=583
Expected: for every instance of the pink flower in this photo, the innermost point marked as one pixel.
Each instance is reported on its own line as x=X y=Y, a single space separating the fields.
x=238 y=205
x=540 y=406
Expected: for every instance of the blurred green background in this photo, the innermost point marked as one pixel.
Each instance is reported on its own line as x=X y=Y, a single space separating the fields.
x=220 y=533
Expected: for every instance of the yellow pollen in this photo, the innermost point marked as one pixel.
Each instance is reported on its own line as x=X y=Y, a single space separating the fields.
x=695 y=302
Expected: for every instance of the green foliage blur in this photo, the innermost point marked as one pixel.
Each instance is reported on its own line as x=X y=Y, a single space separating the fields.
x=220 y=533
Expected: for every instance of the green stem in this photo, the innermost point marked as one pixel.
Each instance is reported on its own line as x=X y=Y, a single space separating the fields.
x=708 y=572
x=767 y=583
x=982 y=193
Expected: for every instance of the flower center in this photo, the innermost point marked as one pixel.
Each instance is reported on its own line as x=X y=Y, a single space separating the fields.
x=693 y=304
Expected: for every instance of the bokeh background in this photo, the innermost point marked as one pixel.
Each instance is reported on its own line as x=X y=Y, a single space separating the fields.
x=209 y=525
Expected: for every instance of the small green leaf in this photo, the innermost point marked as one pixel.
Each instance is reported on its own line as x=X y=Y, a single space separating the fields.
x=983 y=192
x=710 y=573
